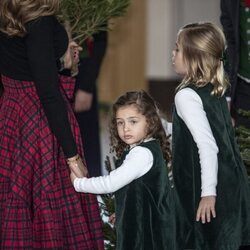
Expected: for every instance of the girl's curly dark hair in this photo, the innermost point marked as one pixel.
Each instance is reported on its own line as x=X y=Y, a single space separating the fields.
x=147 y=107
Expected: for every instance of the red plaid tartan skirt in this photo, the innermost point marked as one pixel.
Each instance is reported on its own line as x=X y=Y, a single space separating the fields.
x=39 y=208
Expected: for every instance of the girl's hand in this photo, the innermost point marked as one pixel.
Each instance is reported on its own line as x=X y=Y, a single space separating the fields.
x=206 y=209
x=112 y=219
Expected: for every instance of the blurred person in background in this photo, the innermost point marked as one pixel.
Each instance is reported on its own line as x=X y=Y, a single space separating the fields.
x=235 y=20
x=86 y=99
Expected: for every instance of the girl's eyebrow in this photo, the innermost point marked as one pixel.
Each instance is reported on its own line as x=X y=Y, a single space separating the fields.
x=131 y=117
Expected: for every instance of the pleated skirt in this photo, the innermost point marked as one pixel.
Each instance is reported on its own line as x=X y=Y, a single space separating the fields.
x=39 y=208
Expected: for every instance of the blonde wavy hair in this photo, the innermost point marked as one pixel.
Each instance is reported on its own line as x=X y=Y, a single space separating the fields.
x=15 y=14
x=203 y=46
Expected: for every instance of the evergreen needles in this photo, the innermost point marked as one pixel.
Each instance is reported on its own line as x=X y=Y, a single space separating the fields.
x=243 y=139
x=83 y=18
x=107 y=209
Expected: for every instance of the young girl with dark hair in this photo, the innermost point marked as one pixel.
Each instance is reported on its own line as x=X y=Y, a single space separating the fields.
x=144 y=196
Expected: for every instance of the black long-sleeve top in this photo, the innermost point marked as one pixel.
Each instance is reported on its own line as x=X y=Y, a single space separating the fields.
x=34 y=57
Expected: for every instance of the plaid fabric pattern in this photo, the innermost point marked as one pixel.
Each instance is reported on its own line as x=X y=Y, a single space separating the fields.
x=39 y=208
x=67 y=84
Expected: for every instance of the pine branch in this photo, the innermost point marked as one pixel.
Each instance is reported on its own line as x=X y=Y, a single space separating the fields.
x=243 y=139
x=244 y=113
x=110 y=235
x=107 y=207
x=108 y=164
x=242 y=132
x=107 y=204
x=87 y=17
x=246 y=156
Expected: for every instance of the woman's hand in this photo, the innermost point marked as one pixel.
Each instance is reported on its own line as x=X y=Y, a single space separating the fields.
x=206 y=209
x=71 y=56
x=77 y=166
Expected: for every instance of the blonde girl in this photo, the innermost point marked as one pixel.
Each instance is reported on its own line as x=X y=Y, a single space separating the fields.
x=208 y=171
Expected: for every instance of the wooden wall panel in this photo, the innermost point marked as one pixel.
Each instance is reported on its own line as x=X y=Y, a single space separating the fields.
x=123 y=68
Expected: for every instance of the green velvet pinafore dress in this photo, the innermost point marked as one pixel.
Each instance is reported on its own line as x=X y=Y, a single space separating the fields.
x=145 y=218
x=231 y=227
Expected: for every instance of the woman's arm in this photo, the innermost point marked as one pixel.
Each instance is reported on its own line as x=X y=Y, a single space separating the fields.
x=43 y=66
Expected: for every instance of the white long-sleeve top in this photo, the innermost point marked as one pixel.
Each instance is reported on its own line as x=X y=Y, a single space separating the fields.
x=138 y=162
x=190 y=109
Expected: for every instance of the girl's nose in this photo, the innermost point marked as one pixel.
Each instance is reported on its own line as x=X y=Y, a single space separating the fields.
x=126 y=127
x=173 y=56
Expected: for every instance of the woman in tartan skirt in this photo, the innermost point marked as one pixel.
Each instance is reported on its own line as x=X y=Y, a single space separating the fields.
x=40 y=141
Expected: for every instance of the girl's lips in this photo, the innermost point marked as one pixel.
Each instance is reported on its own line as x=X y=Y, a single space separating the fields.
x=126 y=137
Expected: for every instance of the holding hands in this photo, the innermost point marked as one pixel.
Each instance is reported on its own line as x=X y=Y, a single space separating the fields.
x=206 y=209
x=77 y=167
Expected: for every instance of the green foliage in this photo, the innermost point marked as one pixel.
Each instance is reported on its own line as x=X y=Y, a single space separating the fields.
x=243 y=139
x=104 y=107
x=107 y=209
x=83 y=18
x=244 y=113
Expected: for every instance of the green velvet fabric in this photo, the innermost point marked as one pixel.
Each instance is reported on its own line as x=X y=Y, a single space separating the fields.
x=145 y=209
x=231 y=227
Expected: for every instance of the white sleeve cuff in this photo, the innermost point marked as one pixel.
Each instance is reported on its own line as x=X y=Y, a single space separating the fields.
x=77 y=183
x=211 y=191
